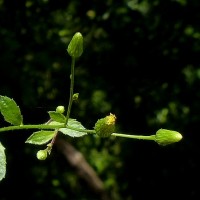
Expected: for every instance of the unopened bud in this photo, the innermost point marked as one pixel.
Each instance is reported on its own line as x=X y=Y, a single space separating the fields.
x=106 y=126
x=75 y=96
x=164 y=137
x=75 y=47
x=42 y=154
x=60 y=109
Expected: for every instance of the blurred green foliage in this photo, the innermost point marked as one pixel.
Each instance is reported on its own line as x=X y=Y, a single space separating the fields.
x=140 y=62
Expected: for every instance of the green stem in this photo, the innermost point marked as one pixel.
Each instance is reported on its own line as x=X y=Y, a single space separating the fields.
x=50 y=127
x=43 y=126
x=140 y=137
x=71 y=90
x=35 y=126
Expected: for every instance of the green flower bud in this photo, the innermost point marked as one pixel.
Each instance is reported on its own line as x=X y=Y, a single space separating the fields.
x=60 y=109
x=42 y=154
x=75 y=47
x=106 y=126
x=164 y=137
x=75 y=96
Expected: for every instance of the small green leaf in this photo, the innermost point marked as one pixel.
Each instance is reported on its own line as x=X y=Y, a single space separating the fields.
x=72 y=123
x=10 y=111
x=56 y=116
x=40 y=137
x=73 y=133
x=2 y=162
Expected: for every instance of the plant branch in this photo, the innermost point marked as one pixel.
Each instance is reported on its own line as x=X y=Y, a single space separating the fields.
x=35 y=126
x=82 y=167
x=43 y=126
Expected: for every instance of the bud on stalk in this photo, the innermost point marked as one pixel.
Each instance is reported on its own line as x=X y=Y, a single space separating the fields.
x=60 y=109
x=164 y=137
x=75 y=47
x=42 y=154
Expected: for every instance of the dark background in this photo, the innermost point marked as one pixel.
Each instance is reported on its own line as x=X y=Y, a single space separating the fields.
x=140 y=62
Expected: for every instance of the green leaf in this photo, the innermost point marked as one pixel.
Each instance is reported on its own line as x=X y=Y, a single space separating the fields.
x=40 y=137
x=73 y=133
x=74 y=124
x=58 y=117
x=10 y=111
x=2 y=162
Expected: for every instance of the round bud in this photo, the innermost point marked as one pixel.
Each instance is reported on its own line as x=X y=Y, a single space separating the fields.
x=75 y=96
x=42 y=154
x=164 y=137
x=60 y=109
x=75 y=47
x=106 y=126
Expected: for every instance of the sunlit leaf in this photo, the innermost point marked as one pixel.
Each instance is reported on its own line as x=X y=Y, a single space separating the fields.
x=72 y=123
x=2 y=162
x=40 y=137
x=10 y=110
x=73 y=133
x=55 y=116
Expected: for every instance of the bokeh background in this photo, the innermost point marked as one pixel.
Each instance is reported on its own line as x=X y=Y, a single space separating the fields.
x=140 y=62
